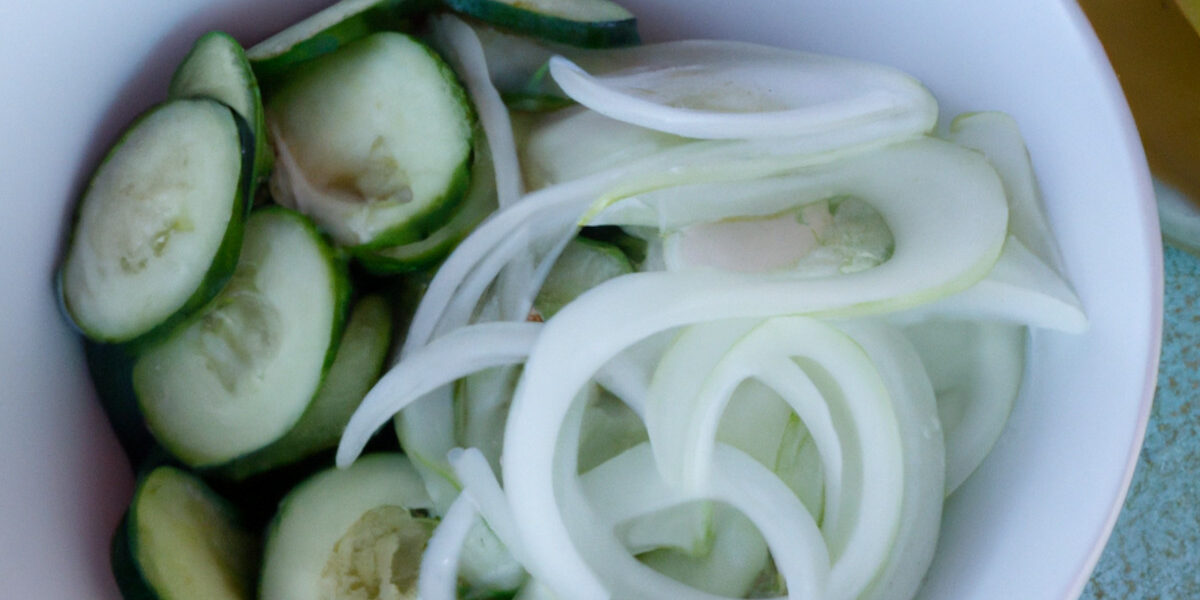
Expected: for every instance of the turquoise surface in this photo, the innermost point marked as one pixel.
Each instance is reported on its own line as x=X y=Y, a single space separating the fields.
x=1154 y=552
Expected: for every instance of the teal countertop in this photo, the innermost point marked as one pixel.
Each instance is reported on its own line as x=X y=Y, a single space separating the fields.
x=1154 y=551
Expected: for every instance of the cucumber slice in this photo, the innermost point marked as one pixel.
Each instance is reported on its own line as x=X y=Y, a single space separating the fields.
x=217 y=68
x=180 y=540
x=111 y=368
x=358 y=528
x=586 y=23
x=158 y=230
x=240 y=374
x=373 y=141
x=356 y=367
x=479 y=202
x=327 y=30
x=584 y=264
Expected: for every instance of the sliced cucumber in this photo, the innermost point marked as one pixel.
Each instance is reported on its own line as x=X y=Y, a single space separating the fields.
x=587 y=23
x=217 y=68
x=584 y=264
x=326 y=31
x=110 y=367
x=239 y=375
x=346 y=532
x=157 y=232
x=356 y=366
x=479 y=202
x=373 y=141
x=180 y=540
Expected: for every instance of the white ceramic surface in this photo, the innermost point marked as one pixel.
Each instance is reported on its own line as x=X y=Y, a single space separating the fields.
x=1029 y=525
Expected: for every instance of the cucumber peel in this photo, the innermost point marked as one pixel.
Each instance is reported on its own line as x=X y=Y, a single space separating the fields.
x=217 y=68
x=584 y=264
x=479 y=201
x=373 y=142
x=326 y=31
x=365 y=526
x=240 y=374
x=181 y=540
x=356 y=366
x=158 y=231
x=585 y=23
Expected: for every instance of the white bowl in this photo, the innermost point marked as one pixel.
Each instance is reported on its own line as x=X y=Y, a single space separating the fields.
x=1030 y=524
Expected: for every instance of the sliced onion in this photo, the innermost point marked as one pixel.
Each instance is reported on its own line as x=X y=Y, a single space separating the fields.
x=1020 y=289
x=450 y=357
x=438 y=579
x=998 y=137
x=723 y=89
x=628 y=486
x=481 y=486
x=976 y=369
x=924 y=459
x=848 y=411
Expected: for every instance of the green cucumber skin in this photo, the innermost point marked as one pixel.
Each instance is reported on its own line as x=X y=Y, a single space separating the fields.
x=634 y=248
x=476 y=205
x=410 y=258
x=369 y=327
x=342 y=292
x=224 y=260
x=264 y=158
x=557 y=293
x=605 y=34
x=392 y=15
x=424 y=225
x=125 y=568
x=535 y=102
x=124 y=548
x=111 y=370
x=440 y=210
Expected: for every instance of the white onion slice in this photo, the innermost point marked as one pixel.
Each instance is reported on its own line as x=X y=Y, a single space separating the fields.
x=936 y=253
x=628 y=486
x=1020 y=289
x=864 y=513
x=460 y=46
x=924 y=459
x=438 y=579
x=448 y=358
x=723 y=90
x=998 y=137
x=480 y=484
x=976 y=369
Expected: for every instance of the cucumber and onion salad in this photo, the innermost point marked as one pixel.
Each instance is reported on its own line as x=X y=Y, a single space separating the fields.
x=697 y=319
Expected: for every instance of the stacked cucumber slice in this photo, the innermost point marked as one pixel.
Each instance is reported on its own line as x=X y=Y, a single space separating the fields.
x=158 y=230
x=240 y=373
x=182 y=540
x=374 y=141
x=230 y=339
